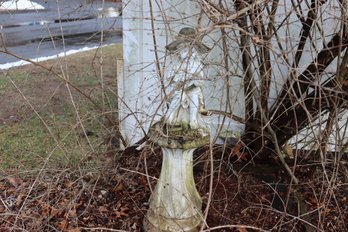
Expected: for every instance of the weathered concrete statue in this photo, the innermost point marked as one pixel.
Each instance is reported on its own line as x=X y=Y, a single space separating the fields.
x=185 y=77
x=175 y=204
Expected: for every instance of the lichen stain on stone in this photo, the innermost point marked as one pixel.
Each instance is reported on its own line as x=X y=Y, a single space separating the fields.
x=178 y=136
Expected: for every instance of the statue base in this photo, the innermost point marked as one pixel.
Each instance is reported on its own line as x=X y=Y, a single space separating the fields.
x=175 y=204
x=158 y=223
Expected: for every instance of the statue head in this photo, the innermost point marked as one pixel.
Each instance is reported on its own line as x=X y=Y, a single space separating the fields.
x=187 y=36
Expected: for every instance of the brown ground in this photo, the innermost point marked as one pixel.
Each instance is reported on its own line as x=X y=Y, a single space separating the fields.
x=117 y=197
x=113 y=196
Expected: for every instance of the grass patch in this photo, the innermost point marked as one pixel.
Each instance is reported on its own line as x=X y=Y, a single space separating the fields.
x=46 y=122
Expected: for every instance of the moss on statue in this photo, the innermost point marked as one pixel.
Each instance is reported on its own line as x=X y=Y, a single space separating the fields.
x=179 y=136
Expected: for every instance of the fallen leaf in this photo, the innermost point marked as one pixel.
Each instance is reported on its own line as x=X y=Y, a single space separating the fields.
x=45 y=208
x=53 y=211
x=19 y=199
x=326 y=211
x=241 y=229
x=122 y=213
x=103 y=209
x=345 y=83
x=143 y=180
x=312 y=201
x=288 y=150
x=63 y=225
x=72 y=212
x=78 y=204
x=119 y=187
x=15 y=181
x=236 y=151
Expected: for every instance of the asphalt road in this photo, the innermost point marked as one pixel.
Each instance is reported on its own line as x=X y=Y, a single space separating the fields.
x=26 y=33
x=49 y=48
x=64 y=9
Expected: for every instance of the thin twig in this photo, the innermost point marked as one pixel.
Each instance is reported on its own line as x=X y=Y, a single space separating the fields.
x=236 y=227
x=101 y=229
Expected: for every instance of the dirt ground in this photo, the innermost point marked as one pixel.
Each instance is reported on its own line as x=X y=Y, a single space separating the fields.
x=116 y=198
x=113 y=194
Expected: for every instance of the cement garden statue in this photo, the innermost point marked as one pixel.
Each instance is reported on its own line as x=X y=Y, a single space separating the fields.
x=185 y=79
x=175 y=204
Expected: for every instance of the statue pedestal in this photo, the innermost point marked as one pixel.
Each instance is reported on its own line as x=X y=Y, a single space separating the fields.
x=175 y=205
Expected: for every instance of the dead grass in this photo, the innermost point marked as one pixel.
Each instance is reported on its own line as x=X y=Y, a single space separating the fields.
x=44 y=120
